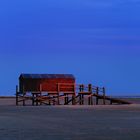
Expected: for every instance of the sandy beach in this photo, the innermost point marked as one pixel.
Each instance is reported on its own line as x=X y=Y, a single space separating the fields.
x=98 y=122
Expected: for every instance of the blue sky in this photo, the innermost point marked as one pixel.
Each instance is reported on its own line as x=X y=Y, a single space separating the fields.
x=97 y=41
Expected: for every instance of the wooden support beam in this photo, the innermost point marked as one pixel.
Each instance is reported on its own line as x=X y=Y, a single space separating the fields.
x=49 y=100
x=16 y=95
x=90 y=88
x=66 y=99
x=97 y=100
x=33 y=99
x=97 y=90
x=82 y=99
x=24 y=98
x=89 y=100
x=40 y=96
x=36 y=99
x=103 y=95
x=73 y=99
x=58 y=101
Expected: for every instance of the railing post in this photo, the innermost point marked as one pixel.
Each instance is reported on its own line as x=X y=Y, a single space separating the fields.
x=90 y=88
x=81 y=88
x=90 y=91
x=97 y=92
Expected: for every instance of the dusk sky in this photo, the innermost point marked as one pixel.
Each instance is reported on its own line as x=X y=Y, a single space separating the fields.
x=96 y=40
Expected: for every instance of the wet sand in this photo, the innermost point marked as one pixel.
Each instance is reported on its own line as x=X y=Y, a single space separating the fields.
x=98 y=122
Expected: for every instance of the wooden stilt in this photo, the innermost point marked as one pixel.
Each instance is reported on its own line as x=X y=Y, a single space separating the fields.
x=65 y=100
x=97 y=100
x=97 y=92
x=40 y=93
x=33 y=99
x=58 y=101
x=103 y=95
x=73 y=99
x=36 y=99
x=89 y=100
x=90 y=92
x=16 y=95
x=40 y=96
x=49 y=99
x=24 y=98
x=82 y=99
x=24 y=93
x=54 y=101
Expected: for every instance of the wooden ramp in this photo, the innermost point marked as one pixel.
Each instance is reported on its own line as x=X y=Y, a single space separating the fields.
x=112 y=100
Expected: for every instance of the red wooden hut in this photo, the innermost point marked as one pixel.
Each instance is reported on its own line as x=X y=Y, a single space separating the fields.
x=51 y=83
x=45 y=88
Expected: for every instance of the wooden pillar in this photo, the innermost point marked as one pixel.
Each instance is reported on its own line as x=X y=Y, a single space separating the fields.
x=82 y=99
x=90 y=92
x=16 y=95
x=24 y=98
x=36 y=99
x=97 y=100
x=54 y=102
x=90 y=88
x=33 y=99
x=73 y=99
x=97 y=92
x=40 y=98
x=103 y=95
x=24 y=93
x=66 y=99
x=49 y=99
x=58 y=92
x=89 y=100
x=58 y=101
x=40 y=94
x=81 y=88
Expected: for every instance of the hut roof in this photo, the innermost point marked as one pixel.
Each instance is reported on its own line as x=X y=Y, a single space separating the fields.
x=46 y=76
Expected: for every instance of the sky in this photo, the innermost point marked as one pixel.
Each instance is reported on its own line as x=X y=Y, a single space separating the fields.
x=96 y=41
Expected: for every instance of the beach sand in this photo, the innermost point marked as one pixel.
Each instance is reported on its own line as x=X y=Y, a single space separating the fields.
x=97 y=122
